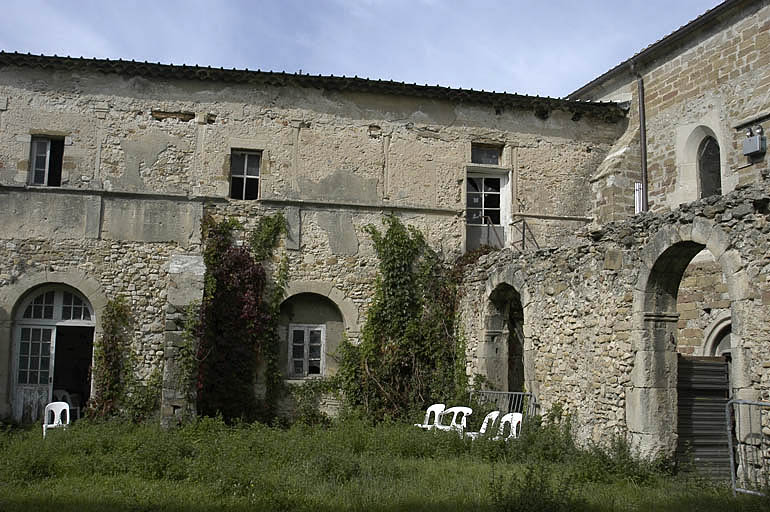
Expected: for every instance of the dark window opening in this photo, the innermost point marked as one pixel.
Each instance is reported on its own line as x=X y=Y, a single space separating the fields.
x=485 y=154
x=46 y=157
x=244 y=174
x=709 y=170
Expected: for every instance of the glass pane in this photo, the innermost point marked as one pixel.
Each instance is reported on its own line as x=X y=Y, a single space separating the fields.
x=473 y=216
x=236 y=188
x=25 y=348
x=44 y=362
x=36 y=349
x=46 y=349
x=491 y=184
x=76 y=301
x=32 y=377
x=35 y=334
x=22 y=377
x=25 y=335
x=48 y=312
x=23 y=363
x=474 y=184
x=494 y=215
x=43 y=377
x=252 y=165
x=86 y=314
x=298 y=336
x=474 y=200
x=66 y=313
x=28 y=312
x=297 y=351
x=237 y=164
x=47 y=334
x=488 y=155
x=314 y=368
x=315 y=351
x=67 y=298
x=37 y=312
x=252 y=188
x=315 y=337
x=491 y=200
x=40 y=162
x=298 y=369
x=33 y=362
x=49 y=297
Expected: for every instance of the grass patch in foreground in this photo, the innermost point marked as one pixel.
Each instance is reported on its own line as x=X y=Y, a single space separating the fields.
x=348 y=466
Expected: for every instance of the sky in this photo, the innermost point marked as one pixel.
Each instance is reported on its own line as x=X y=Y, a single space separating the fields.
x=546 y=48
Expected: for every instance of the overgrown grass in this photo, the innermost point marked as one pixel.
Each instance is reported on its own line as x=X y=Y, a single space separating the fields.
x=350 y=465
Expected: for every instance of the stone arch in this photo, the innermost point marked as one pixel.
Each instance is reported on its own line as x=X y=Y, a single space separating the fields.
x=506 y=303
x=11 y=297
x=715 y=332
x=651 y=397
x=347 y=307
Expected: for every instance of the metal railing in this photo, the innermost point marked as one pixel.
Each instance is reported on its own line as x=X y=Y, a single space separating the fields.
x=524 y=403
x=748 y=435
x=524 y=238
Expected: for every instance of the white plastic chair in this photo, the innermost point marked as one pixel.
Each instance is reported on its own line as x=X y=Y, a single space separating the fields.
x=513 y=421
x=459 y=418
x=489 y=420
x=435 y=410
x=54 y=412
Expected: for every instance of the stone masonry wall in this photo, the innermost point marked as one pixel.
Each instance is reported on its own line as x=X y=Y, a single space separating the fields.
x=585 y=340
x=718 y=79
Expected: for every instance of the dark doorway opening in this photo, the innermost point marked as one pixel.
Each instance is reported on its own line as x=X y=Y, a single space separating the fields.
x=72 y=364
x=507 y=302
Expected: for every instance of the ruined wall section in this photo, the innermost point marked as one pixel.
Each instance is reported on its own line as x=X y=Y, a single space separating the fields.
x=702 y=301
x=581 y=341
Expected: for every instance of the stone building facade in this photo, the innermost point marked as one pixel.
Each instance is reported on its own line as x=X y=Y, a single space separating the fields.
x=107 y=168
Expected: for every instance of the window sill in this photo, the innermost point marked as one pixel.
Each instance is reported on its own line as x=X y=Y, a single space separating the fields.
x=298 y=381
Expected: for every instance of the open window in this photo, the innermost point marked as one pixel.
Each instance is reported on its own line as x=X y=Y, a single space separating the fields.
x=244 y=174
x=46 y=156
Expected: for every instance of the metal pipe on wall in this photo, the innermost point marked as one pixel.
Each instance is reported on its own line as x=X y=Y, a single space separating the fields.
x=642 y=134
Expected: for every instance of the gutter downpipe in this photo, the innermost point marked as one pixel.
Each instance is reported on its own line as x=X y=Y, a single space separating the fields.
x=642 y=133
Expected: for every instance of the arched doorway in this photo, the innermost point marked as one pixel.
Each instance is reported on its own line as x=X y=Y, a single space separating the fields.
x=506 y=325
x=53 y=337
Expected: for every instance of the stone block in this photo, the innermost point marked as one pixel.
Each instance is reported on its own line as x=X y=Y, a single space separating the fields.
x=654 y=369
x=651 y=411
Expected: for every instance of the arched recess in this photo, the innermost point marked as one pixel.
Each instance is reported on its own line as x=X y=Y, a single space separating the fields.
x=651 y=398
x=503 y=356
x=12 y=299
x=315 y=317
x=717 y=340
x=691 y=141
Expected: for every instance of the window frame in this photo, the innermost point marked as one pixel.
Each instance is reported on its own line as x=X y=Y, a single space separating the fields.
x=35 y=142
x=306 y=328
x=248 y=154
x=483 y=195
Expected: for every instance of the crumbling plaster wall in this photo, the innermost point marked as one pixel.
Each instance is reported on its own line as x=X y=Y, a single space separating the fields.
x=590 y=328
x=719 y=78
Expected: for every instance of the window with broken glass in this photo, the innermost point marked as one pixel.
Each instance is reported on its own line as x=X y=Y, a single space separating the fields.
x=244 y=174
x=306 y=344
x=483 y=200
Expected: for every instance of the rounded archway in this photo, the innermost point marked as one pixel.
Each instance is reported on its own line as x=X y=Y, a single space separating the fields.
x=52 y=350
x=652 y=397
x=311 y=329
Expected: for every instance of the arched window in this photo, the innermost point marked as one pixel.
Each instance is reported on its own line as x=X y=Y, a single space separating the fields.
x=709 y=171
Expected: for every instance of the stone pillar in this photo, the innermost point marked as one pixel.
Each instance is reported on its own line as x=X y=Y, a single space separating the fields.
x=185 y=287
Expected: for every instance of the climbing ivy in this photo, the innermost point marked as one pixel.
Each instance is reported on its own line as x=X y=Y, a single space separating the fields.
x=111 y=359
x=238 y=319
x=410 y=352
